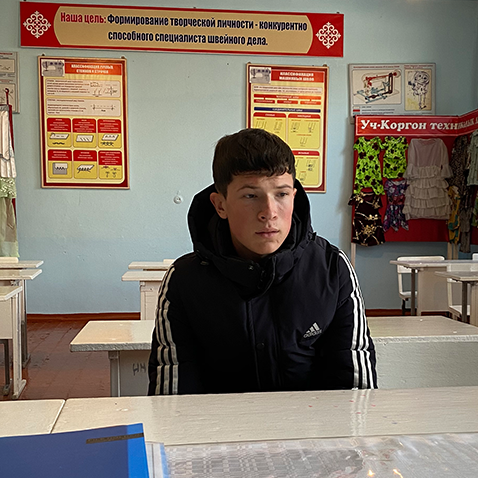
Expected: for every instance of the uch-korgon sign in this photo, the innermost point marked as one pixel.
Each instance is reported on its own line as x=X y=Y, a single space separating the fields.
x=57 y=25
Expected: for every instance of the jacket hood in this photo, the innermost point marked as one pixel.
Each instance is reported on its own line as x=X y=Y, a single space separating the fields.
x=212 y=243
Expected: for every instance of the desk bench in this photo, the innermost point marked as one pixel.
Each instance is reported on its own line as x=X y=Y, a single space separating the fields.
x=149 y=284
x=29 y=417
x=17 y=273
x=428 y=351
x=151 y=265
x=195 y=419
x=10 y=329
x=128 y=344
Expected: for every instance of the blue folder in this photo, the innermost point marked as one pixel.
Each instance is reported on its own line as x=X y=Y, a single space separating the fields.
x=117 y=452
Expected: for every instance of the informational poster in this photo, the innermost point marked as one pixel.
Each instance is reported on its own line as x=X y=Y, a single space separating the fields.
x=394 y=89
x=291 y=102
x=83 y=122
x=9 y=80
x=114 y=27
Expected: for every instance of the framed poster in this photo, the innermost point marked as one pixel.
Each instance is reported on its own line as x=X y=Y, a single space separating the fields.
x=83 y=122
x=291 y=102
x=393 y=89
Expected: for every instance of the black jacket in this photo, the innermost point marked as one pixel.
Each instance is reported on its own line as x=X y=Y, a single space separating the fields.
x=224 y=324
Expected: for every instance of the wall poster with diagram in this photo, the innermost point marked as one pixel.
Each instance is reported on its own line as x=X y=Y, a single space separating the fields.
x=83 y=122
x=392 y=89
x=291 y=102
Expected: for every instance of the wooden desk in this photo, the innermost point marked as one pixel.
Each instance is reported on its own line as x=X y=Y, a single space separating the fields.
x=190 y=419
x=149 y=284
x=10 y=329
x=128 y=344
x=152 y=266
x=29 y=417
x=466 y=277
x=430 y=267
x=16 y=273
x=429 y=351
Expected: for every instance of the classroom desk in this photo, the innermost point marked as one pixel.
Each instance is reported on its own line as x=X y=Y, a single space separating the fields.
x=466 y=277
x=16 y=273
x=10 y=329
x=193 y=419
x=29 y=417
x=128 y=344
x=151 y=265
x=149 y=284
x=429 y=267
x=424 y=351
x=429 y=351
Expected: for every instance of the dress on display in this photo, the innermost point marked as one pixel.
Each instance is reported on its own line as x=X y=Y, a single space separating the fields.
x=367 y=171
x=394 y=217
x=473 y=155
x=367 y=228
x=394 y=159
x=426 y=196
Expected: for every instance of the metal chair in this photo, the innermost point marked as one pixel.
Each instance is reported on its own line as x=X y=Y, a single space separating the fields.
x=405 y=295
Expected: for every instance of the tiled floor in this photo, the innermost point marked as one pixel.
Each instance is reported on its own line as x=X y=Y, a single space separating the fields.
x=54 y=371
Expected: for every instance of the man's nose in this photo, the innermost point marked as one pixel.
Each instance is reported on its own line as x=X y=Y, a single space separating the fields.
x=268 y=210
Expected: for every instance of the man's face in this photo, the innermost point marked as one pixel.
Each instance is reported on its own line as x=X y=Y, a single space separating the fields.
x=259 y=211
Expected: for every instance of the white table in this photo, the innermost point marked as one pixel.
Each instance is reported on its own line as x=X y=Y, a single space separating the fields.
x=430 y=267
x=17 y=273
x=149 y=284
x=151 y=265
x=128 y=344
x=29 y=417
x=190 y=419
x=466 y=277
x=10 y=329
x=427 y=351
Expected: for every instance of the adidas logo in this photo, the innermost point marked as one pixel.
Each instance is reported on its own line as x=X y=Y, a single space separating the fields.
x=313 y=331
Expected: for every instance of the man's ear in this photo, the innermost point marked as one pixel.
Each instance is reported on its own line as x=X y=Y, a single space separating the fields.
x=218 y=201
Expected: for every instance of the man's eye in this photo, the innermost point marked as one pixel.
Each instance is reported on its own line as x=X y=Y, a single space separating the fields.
x=249 y=196
x=283 y=194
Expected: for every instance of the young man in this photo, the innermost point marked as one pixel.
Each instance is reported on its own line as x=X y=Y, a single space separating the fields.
x=263 y=303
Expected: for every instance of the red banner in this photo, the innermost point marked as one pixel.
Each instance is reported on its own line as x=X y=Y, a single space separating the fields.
x=56 y=25
x=416 y=126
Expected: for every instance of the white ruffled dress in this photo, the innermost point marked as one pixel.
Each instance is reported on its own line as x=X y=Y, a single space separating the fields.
x=426 y=196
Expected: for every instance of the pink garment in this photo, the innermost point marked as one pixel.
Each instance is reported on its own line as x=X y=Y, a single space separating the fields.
x=426 y=195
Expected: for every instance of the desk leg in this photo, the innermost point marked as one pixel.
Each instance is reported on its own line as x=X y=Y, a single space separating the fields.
x=474 y=304
x=114 y=373
x=413 y=306
x=18 y=382
x=464 y=302
x=23 y=316
x=6 y=353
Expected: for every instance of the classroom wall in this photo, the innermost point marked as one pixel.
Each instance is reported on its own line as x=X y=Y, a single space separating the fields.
x=179 y=106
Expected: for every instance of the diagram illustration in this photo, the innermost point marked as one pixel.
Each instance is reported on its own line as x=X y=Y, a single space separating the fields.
x=378 y=85
x=419 y=83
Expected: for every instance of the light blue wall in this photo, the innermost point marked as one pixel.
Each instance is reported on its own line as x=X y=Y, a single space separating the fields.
x=179 y=105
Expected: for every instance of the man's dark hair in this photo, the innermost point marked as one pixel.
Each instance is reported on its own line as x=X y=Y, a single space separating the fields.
x=250 y=150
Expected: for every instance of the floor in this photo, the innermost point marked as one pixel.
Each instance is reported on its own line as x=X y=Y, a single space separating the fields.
x=54 y=371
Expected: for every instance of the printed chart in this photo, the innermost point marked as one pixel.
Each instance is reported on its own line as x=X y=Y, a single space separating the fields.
x=83 y=123
x=291 y=102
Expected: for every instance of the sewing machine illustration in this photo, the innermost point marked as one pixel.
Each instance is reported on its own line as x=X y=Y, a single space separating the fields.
x=378 y=86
